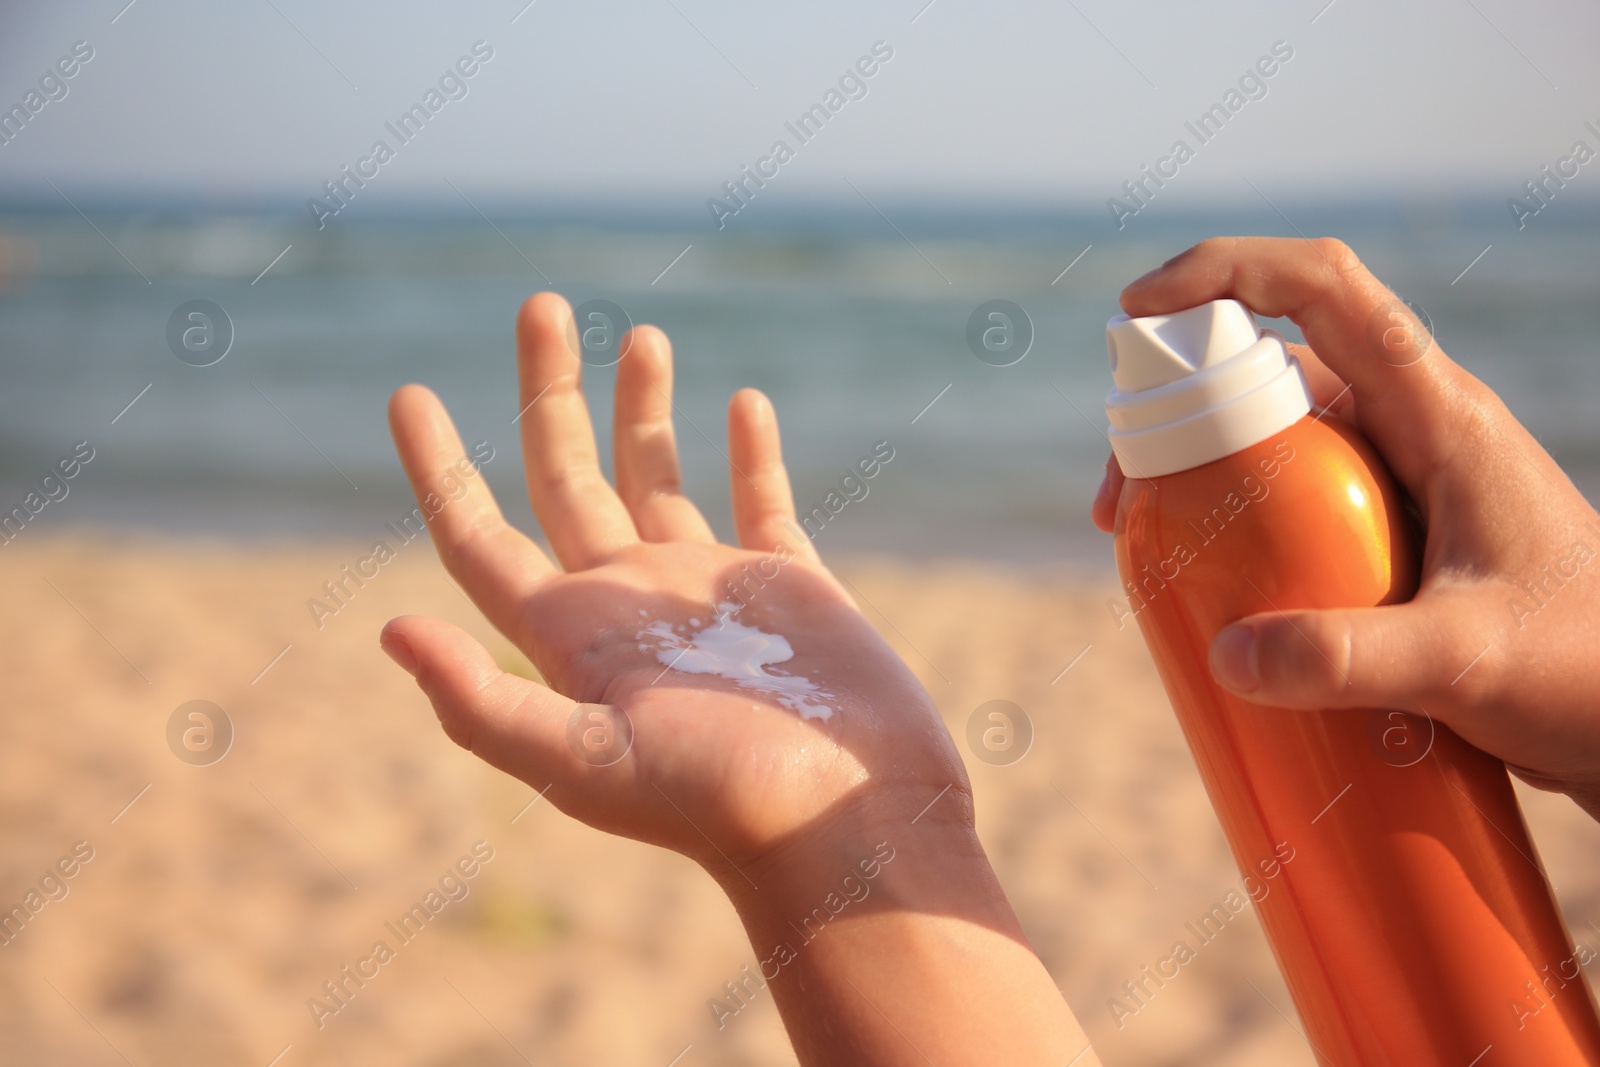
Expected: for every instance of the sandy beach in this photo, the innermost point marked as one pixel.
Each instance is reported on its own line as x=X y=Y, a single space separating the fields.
x=218 y=899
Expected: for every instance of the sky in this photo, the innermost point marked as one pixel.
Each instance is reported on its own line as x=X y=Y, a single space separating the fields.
x=265 y=100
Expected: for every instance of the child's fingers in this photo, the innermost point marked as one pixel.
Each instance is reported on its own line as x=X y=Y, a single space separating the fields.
x=576 y=506
x=643 y=445
x=497 y=566
x=514 y=724
x=1394 y=656
x=763 y=505
x=1407 y=389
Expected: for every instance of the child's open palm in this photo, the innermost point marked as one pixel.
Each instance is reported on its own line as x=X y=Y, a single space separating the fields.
x=625 y=736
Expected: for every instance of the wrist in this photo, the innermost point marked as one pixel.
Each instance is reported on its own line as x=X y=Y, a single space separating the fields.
x=886 y=851
x=885 y=937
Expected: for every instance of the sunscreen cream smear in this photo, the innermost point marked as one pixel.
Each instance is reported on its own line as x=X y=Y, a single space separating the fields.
x=740 y=653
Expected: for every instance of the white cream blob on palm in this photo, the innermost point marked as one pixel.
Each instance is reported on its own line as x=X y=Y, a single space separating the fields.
x=730 y=649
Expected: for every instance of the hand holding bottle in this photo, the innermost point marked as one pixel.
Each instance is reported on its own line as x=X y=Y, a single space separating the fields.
x=1499 y=641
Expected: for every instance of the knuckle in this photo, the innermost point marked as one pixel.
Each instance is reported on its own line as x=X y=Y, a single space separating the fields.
x=564 y=385
x=457 y=727
x=649 y=444
x=1468 y=668
x=1339 y=255
x=1311 y=654
x=1480 y=415
x=454 y=714
x=462 y=541
x=561 y=482
x=668 y=486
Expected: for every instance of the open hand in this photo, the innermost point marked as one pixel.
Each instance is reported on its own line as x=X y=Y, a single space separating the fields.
x=625 y=736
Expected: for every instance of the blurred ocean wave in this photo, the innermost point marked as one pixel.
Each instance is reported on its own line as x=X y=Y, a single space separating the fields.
x=851 y=323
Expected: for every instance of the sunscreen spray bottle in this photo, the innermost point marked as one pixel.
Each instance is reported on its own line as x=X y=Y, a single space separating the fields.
x=1410 y=914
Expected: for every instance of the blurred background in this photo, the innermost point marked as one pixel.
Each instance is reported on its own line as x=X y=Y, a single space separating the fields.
x=190 y=156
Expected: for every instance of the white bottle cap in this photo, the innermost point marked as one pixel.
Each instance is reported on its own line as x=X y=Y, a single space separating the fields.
x=1197 y=385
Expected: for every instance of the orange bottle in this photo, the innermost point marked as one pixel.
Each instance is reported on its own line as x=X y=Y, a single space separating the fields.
x=1387 y=858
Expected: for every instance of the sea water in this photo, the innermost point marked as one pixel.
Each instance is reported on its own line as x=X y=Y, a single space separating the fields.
x=848 y=327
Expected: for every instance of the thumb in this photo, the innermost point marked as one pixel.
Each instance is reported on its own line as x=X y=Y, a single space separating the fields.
x=1394 y=656
x=509 y=722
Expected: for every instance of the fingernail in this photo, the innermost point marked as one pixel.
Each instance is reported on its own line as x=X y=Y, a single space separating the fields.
x=399 y=649
x=1236 y=659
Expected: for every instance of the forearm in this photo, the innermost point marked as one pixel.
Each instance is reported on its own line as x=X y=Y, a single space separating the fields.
x=892 y=943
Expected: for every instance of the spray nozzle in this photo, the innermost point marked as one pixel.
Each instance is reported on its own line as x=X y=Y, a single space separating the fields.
x=1158 y=349
x=1197 y=385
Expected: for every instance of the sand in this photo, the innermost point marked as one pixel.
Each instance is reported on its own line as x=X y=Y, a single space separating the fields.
x=224 y=896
